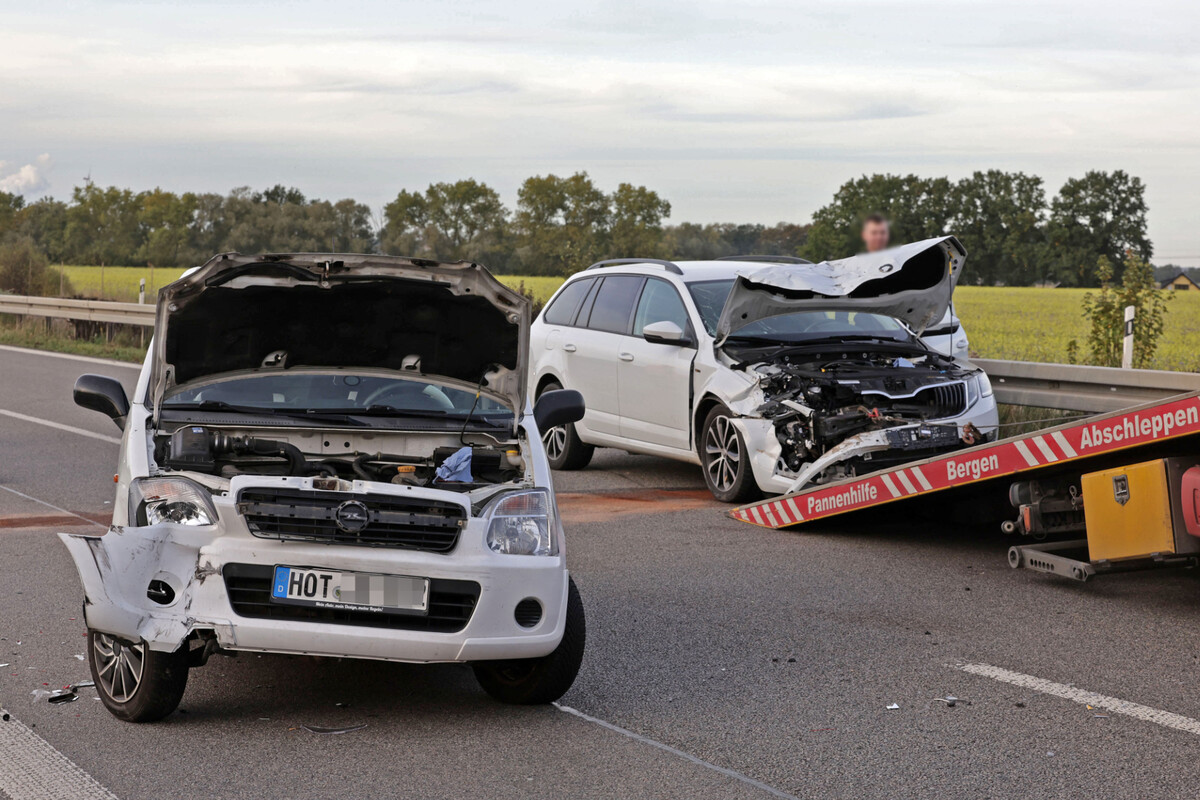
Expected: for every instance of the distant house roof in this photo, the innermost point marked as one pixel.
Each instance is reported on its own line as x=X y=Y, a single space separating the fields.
x=1176 y=277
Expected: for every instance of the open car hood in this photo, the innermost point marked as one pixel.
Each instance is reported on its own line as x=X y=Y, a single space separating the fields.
x=265 y=313
x=913 y=283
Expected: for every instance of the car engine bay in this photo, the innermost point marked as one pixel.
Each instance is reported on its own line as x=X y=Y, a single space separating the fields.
x=213 y=451
x=817 y=399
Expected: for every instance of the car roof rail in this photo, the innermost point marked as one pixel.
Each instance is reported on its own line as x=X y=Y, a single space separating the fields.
x=669 y=266
x=768 y=259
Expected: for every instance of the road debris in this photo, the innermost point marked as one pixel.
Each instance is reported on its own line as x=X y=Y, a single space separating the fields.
x=950 y=700
x=893 y=707
x=347 y=729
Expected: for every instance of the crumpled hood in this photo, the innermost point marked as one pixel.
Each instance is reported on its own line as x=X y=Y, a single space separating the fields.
x=913 y=283
x=241 y=313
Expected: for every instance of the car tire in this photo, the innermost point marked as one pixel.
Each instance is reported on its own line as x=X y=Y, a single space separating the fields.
x=135 y=683
x=535 y=681
x=723 y=456
x=564 y=449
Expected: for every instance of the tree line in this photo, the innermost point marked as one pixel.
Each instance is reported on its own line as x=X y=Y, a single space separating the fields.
x=561 y=224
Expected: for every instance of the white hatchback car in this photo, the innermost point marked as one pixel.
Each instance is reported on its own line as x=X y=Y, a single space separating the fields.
x=769 y=375
x=331 y=455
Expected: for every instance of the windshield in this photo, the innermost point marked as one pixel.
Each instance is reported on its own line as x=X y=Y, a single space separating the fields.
x=341 y=392
x=798 y=327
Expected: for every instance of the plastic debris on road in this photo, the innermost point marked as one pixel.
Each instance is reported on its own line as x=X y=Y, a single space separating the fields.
x=347 y=729
x=950 y=700
x=893 y=707
x=456 y=467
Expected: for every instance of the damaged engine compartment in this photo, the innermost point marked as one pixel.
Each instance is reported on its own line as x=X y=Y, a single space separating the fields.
x=213 y=451
x=817 y=399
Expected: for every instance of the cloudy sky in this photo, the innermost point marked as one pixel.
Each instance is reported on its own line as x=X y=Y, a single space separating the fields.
x=743 y=111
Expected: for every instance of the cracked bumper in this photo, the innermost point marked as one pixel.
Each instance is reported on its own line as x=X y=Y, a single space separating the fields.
x=116 y=569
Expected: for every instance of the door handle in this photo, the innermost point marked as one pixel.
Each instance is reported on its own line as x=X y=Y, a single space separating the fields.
x=570 y=348
x=626 y=356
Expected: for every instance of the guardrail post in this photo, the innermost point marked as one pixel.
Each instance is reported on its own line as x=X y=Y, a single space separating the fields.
x=1127 y=345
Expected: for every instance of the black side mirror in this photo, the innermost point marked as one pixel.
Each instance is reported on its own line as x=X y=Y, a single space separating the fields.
x=103 y=394
x=558 y=407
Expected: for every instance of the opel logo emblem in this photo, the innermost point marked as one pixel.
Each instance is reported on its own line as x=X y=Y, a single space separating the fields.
x=352 y=516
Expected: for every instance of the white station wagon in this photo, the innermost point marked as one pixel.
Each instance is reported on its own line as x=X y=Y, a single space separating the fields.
x=769 y=372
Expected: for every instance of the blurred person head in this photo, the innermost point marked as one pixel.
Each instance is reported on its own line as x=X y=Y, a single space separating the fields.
x=876 y=233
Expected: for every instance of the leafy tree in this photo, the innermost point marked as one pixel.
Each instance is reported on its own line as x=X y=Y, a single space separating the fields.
x=1105 y=310
x=782 y=239
x=1100 y=214
x=353 y=231
x=918 y=208
x=689 y=241
x=165 y=219
x=998 y=216
x=405 y=220
x=23 y=269
x=103 y=225
x=44 y=222
x=561 y=224
x=637 y=215
x=10 y=207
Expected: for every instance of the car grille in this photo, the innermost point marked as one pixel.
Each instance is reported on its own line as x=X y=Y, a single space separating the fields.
x=312 y=516
x=451 y=604
x=931 y=402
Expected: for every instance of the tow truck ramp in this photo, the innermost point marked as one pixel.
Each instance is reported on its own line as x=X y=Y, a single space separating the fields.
x=1161 y=428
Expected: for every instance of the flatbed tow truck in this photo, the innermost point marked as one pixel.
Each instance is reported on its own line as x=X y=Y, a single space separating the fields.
x=1129 y=479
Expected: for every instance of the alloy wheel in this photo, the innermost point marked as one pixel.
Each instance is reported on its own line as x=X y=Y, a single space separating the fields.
x=555 y=441
x=118 y=666
x=724 y=454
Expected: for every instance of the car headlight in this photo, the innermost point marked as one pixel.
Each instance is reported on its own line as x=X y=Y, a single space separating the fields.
x=978 y=387
x=521 y=524
x=173 y=500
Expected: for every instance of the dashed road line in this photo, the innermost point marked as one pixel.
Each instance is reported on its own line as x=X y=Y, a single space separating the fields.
x=31 y=769
x=737 y=776
x=59 y=426
x=1116 y=705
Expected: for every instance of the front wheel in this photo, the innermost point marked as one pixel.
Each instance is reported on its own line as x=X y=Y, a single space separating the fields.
x=534 y=681
x=726 y=462
x=135 y=683
x=564 y=449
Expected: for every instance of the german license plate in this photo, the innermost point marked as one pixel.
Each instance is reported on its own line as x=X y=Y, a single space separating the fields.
x=350 y=591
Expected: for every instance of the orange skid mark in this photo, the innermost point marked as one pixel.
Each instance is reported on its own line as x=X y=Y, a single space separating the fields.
x=51 y=520
x=600 y=506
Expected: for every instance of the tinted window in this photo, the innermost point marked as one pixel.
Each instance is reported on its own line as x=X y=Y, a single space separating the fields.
x=807 y=326
x=562 y=310
x=660 y=303
x=614 y=303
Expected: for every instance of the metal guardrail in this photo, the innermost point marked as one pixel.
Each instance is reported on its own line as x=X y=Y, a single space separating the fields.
x=94 y=310
x=1082 y=388
x=1021 y=383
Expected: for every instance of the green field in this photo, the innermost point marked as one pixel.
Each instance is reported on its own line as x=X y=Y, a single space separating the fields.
x=1019 y=324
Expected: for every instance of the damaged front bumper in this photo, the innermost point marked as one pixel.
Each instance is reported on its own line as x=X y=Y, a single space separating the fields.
x=773 y=478
x=162 y=584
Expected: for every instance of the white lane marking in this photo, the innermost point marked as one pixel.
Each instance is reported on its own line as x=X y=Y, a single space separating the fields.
x=32 y=769
x=51 y=505
x=1024 y=450
x=908 y=487
x=891 y=487
x=795 y=509
x=1064 y=444
x=108 y=362
x=921 y=478
x=1116 y=705
x=1045 y=448
x=69 y=428
x=737 y=776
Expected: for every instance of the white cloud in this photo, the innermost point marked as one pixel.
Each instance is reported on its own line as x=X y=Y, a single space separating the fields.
x=28 y=179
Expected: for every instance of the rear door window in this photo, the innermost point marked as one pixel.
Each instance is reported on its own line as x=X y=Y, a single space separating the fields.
x=562 y=310
x=613 y=307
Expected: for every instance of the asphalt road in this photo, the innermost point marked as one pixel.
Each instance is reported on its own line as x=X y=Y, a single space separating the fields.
x=765 y=660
